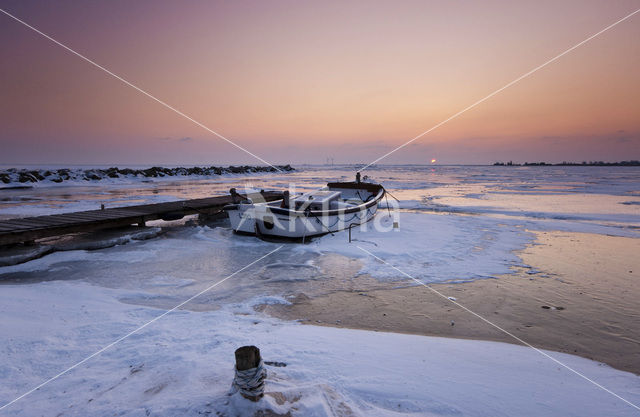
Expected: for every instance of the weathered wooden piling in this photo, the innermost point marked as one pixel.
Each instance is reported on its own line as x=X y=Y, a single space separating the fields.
x=247 y=357
x=250 y=373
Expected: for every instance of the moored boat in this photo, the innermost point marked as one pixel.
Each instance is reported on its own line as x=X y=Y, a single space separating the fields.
x=337 y=206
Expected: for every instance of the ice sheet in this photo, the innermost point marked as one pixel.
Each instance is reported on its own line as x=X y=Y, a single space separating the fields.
x=183 y=365
x=430 y=247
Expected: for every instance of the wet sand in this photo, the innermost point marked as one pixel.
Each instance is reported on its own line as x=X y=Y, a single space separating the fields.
x=581 y=296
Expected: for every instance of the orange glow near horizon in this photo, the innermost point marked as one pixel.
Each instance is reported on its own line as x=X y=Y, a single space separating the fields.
x=299 y=82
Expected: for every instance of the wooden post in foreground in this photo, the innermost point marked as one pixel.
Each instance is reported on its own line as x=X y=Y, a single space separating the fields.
x=248 y=357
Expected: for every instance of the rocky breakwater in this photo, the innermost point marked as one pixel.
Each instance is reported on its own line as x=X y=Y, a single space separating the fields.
x=14 y=176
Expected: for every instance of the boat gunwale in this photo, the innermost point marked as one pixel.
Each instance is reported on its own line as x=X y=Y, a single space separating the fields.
x=332 y=212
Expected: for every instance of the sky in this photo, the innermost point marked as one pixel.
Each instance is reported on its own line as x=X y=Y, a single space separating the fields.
x=299 y=82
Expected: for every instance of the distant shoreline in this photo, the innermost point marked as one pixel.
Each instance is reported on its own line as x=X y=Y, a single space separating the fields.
x=633 y=163
x=27 y=176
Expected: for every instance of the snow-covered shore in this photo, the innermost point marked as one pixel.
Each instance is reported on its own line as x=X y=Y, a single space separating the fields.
x=182 y=364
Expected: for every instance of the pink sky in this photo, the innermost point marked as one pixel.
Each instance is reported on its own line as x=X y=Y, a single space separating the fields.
x=297 y=82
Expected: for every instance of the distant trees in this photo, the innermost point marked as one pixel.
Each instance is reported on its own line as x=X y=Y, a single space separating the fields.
x=633 y=163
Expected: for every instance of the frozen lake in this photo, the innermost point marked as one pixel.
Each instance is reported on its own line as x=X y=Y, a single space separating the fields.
x=456 y=224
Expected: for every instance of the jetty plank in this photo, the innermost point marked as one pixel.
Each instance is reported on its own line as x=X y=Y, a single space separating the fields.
x=28 y=229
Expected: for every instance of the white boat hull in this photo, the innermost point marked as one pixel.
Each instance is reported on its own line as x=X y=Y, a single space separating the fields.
x=261 y=221
x=269 y=219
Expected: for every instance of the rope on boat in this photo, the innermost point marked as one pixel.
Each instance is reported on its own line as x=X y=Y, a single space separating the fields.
x=250 y=382
x=320 y=221
x=387 y=200
x=387 y=192
x=306 y=215
x=346 y=221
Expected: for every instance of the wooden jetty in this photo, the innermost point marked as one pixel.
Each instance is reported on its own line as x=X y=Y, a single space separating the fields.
x=29 y=229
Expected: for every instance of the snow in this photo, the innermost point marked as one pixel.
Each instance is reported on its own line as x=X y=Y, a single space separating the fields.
x=182 y=364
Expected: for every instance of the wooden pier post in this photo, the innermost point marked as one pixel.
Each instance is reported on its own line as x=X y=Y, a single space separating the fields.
x=234 y=195
x=248 y=358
